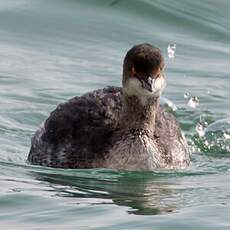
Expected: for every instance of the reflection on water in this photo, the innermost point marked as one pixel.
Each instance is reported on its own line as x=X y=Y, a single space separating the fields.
x=144 y=193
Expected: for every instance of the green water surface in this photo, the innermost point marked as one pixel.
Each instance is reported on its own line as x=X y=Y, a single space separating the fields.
x=52 y=50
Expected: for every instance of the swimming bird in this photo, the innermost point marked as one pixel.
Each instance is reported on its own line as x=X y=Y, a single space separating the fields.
x=118 y=128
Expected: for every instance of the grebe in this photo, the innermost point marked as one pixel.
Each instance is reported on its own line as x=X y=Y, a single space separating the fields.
x=118 y=128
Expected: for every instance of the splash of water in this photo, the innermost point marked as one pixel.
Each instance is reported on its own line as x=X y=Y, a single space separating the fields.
x=186 y=95
x=193 y=102
x=215 y=138
x=167 y=103
x=171 y=50
x=200 y=128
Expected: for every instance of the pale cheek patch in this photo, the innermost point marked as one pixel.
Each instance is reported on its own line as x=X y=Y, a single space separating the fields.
x=133 y=87
x=159 y=85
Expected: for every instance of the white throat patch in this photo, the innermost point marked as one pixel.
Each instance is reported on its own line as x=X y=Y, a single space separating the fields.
x=133 y=87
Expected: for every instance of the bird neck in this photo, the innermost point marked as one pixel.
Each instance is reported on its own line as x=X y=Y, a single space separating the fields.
x=136 y=115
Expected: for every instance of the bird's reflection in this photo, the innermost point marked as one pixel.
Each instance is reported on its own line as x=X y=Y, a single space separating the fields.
x=143 y=193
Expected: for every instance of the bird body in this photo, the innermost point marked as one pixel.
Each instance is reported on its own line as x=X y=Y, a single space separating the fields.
x=118 y=128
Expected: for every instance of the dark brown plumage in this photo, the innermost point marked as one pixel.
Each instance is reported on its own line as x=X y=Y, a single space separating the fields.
x=112 y=127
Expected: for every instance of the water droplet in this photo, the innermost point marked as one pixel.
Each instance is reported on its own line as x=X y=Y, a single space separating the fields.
x=186 y=95
x=200 y=129
x=193 y=102
x=206 y=143
x=227 y=135
x=171 y=50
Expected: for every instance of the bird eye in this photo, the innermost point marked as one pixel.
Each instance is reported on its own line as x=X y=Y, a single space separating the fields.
x=157 y=75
